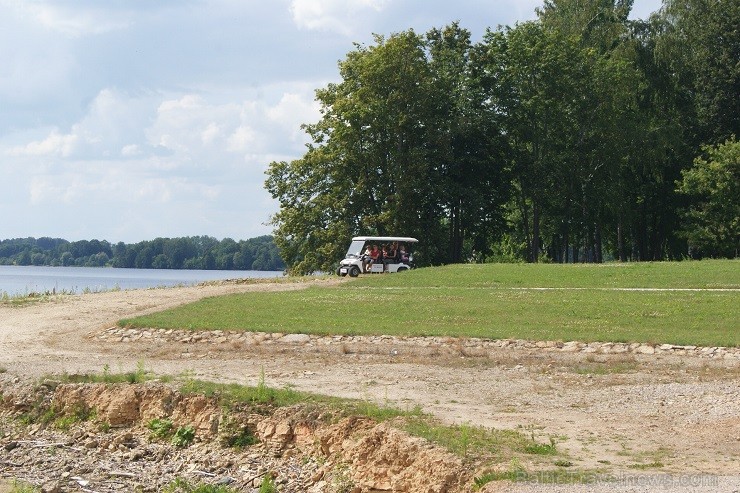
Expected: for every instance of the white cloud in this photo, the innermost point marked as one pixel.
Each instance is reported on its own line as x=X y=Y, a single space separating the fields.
x=193 y=126
x=131 y=150
x=210 y=133
x=293 y=108
x=55 y=144
x=112 y=126
x=241 y=139
x=340 y=16
x=159 y=157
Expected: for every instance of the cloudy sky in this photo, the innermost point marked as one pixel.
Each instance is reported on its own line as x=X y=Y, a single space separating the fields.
x=127 y=120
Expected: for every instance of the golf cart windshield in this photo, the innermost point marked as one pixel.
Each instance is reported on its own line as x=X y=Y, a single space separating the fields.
x=355 y=249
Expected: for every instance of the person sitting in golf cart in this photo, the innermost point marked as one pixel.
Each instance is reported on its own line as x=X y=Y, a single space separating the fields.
x=376 y=255
x=403 y=255
x=389 y=254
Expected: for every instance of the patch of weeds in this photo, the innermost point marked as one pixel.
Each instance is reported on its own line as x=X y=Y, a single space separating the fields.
x=180 y=485
x=262 y=395
x=459 y=439
x=38 y=414
x=160 y=428
x=184 y=436
x=3 y=369
x=236 y=436
x=379 y=412
x=79 y=414
x=597 y=368
x=21 y=487
x=264 y=399
x=140 y=375
x=65 y=422
x=243 y=440
x=649 y=459
x=514 y=473
x=21 y=300
x=268 y=484
x=563 y=463
x=651 y=465
x=340 y=480
x=262 y=392
x=541 y=448
x=536 y=448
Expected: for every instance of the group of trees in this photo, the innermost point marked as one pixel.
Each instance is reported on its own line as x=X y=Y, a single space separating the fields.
x=196 y=252
x=579 y=136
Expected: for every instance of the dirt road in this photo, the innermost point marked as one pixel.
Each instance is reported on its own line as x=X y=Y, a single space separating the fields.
x=648 y=416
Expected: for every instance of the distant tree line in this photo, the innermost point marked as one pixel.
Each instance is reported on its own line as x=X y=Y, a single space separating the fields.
x=580 y=136
x=195 y=252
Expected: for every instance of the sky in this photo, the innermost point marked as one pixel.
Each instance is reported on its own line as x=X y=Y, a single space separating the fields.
x=128 y=120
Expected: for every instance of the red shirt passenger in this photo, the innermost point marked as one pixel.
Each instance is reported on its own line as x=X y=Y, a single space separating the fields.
x=374 y=253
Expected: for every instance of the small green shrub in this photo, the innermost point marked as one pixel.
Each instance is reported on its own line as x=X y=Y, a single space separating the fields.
x=540 y=449
x=268 y=484
x=160 y=428
x=184 y=436
x=138 y=376
x=242 y=438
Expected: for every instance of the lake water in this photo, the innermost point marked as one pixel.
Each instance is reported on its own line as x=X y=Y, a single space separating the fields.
x=22 y=280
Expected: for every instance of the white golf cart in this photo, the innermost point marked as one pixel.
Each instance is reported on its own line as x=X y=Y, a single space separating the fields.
x=358 y=258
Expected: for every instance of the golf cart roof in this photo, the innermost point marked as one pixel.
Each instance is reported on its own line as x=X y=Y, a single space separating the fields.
x=400 y=239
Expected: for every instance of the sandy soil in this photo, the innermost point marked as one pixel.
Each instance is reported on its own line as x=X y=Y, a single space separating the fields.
x=661 y=416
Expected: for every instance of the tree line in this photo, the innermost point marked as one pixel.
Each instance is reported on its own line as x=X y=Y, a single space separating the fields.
x=579 y=136
x=196 y=252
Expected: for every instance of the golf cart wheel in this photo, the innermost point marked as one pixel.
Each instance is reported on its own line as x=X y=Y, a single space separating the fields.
x=401 y=269
x=354 y=271
x=339 y=272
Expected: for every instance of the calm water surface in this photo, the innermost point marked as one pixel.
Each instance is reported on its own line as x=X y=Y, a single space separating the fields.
x=21 y=280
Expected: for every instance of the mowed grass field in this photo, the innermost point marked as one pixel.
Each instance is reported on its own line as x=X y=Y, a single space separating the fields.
x=684 y=303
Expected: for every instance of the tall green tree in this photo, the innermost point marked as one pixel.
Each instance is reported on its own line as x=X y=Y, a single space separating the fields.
x=469 y=147
x=701 y=44
x=367 y=169
x=712 y=222
x=532 y=75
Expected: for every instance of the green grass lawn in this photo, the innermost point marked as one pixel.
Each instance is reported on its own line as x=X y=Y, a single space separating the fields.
x=690 y=303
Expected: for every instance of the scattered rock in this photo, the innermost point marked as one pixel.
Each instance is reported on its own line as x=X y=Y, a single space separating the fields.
x=296 y=339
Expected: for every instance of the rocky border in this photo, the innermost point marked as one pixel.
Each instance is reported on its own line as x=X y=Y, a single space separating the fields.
x=473 y=345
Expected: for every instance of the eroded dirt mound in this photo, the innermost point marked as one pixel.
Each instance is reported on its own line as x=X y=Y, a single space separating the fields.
x=108 y=447
x=128 y=405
